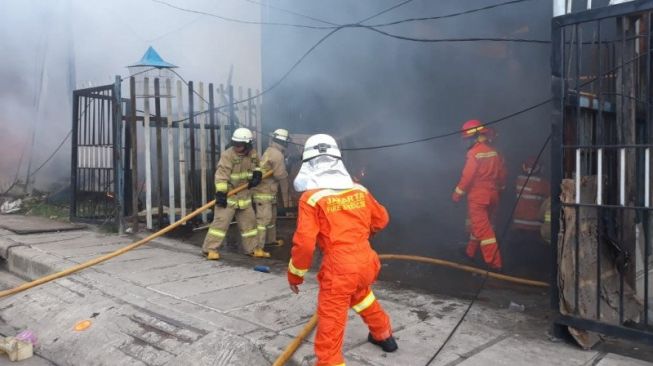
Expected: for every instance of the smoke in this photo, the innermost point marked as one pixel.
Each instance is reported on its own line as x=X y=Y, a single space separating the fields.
x=88 y=43
x=367 y=89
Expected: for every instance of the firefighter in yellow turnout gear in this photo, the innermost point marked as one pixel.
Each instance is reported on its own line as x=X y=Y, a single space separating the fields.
x=265 y=194
x=238 y=164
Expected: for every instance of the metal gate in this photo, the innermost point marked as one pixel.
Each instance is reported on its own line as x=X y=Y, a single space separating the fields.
x=601 y=157
x=97 y=177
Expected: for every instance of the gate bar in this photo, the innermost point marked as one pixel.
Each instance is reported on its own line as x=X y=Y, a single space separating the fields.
x=191 y=152
x=148 y=154
x=159 y=151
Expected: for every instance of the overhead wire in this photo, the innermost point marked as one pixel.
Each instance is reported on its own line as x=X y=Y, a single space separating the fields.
x=450 y=15
x=241 y=21
x=332 y=25
x=458 y=40
x=385 y=11
x=292 y=12
x=498 y=120
x=409 y=142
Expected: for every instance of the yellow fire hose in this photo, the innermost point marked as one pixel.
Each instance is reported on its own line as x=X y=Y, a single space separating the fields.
x=123 y=250
x=498 y=276
x=292 y=347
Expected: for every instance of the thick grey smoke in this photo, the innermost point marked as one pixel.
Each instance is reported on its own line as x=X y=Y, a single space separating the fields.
x=368 y=89
x=92 y=41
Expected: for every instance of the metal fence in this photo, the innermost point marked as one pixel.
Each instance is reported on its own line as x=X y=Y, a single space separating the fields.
x=602 y=136
x=96 y=163
x=152 y=155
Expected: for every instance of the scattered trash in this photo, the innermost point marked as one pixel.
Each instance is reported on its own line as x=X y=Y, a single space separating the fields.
x=82 y=325
x=264 y=269
x=27 y=336
x=516 y=307
x=11 y=206
x=16 y=349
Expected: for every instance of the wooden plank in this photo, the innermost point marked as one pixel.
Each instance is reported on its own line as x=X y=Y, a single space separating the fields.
x=212 y=115
x=181 y=136
x=232 y=113
x=171 y=155
x=242 y=110
x=222 y=120
x=148 y=158
x=202 y=120
x=134 y=153
x=251 y=122
x=259 y=120
x=191 y=150
x=159 y=152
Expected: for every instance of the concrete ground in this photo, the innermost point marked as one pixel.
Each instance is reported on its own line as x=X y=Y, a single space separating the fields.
x=163 y=304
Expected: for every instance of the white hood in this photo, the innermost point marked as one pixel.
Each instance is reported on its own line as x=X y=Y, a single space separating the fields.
x=323 y=172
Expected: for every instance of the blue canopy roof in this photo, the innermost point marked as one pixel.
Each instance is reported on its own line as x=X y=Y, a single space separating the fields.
x=151 y=58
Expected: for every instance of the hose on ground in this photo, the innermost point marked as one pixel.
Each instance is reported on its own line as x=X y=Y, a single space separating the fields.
x=498 y=276
x=123 y=250
x=292 y=347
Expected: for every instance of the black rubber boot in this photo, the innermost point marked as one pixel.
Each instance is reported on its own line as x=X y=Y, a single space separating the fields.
x=389 y=344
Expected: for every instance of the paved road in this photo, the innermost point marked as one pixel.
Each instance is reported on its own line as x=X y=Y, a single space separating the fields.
x=163 y=304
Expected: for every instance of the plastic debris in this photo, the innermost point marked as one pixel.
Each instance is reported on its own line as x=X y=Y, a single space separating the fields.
x=27 y=336
x=17 y=350
x=11 y=206
x=264 y=269
x=82 y=325
x=516 y=307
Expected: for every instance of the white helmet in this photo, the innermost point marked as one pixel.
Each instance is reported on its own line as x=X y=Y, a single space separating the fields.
x=242 y=135
x=320 y=144
x=280 y=134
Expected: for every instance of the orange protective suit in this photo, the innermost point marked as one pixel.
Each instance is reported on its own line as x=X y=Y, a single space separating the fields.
x=482 y=179
x=527 y=212
x=340 y=221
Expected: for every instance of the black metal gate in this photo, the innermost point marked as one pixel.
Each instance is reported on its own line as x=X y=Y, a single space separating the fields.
x=97 y=176
x=601 y=195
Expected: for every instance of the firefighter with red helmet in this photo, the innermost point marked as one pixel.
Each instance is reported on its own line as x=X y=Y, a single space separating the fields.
x=534 y=189
x=528 y=251
x=338 y=216
x=483 y=177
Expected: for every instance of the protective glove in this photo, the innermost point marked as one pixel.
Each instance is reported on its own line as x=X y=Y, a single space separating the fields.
x=257 y=177
x=456 y=197
x=294 y=280
x=221 y=199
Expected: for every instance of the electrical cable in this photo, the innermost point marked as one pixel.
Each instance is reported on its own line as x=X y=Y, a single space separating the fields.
x=294 y=66
x=485 y=277
x=372 y=28
x=52 y=155
x=331 y=25
x=292 y=12
x=451 y=15
x=589 y=81
x=241 y=21
x=274 y=85
x=174 y=30
x=384 y=11
x=448 y=133
x=459 y=40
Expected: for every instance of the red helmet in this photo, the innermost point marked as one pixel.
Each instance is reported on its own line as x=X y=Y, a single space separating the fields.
x=472 y=128
x=530 y=165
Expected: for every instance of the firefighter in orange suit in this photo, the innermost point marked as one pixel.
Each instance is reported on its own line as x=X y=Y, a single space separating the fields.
x=483 y=178
x=339 y=216
x=534 y=190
